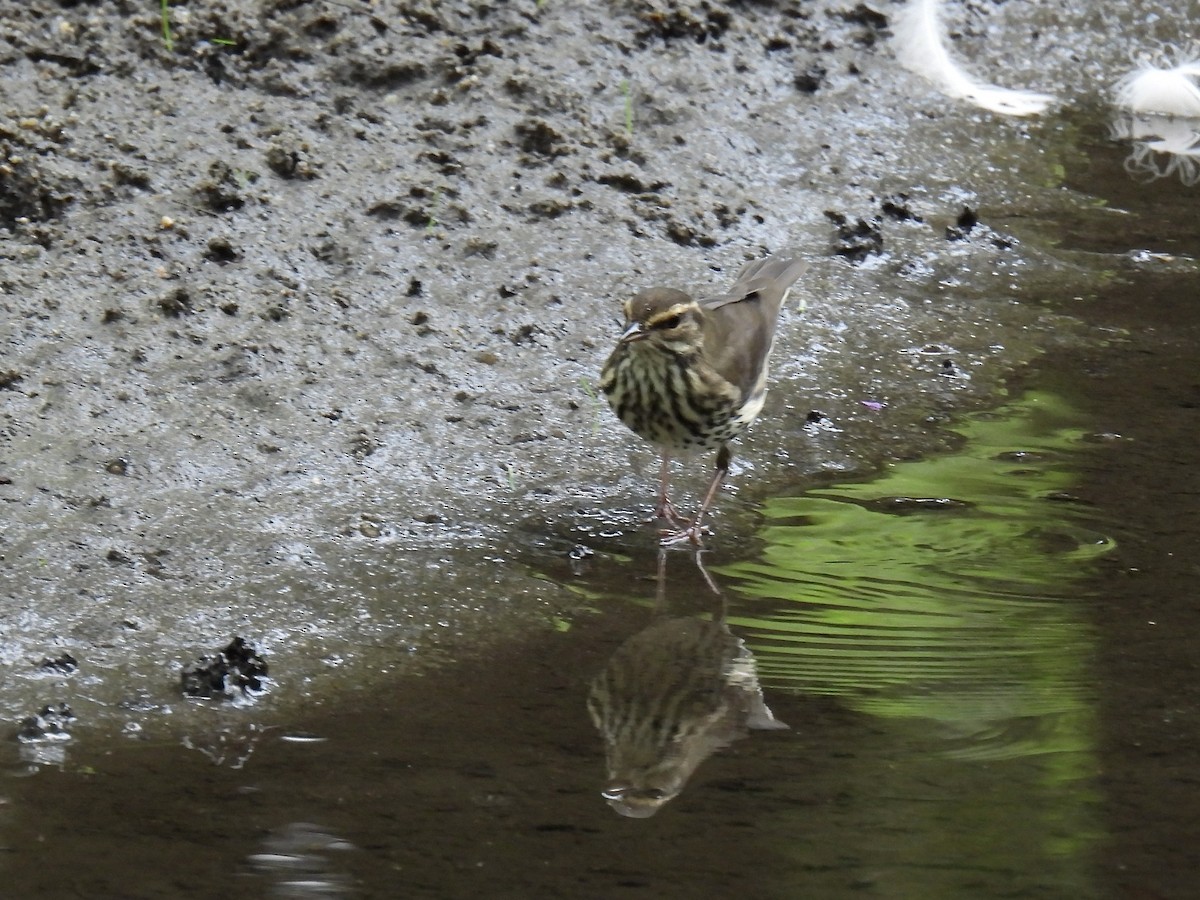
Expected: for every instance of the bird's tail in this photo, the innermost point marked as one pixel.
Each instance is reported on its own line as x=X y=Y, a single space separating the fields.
x=770 y=278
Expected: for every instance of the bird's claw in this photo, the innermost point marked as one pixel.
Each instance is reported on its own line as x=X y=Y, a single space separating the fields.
x=693 y=534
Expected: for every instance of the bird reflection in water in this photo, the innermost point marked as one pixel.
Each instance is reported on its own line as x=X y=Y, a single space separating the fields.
x=671 y=696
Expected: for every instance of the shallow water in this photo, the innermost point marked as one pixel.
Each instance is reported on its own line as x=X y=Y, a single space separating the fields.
x=985 y=659
x=946 y=602
x=962 y=647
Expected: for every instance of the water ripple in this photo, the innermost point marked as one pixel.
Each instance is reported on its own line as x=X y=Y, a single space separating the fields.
x=947 y=590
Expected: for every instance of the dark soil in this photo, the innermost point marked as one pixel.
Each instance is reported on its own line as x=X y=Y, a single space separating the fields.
x=308 y=283
x=302 y=305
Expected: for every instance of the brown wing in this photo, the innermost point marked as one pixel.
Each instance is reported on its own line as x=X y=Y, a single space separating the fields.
x=739 y=326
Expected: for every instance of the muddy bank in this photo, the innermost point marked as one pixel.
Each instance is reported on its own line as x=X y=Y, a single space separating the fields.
x=301 y=313
x=303 y=303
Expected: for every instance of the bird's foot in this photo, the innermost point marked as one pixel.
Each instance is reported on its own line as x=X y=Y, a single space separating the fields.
x=692 y=534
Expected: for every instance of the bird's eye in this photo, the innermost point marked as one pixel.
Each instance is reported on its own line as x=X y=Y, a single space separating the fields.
x=670 y=323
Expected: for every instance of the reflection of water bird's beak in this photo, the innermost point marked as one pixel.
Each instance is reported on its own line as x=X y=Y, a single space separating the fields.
x=634 y=804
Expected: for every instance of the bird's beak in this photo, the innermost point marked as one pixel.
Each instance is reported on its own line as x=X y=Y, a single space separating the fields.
x=634 y=332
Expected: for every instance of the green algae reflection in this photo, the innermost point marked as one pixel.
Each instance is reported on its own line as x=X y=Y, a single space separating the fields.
x=945 y=590
x=945 y=605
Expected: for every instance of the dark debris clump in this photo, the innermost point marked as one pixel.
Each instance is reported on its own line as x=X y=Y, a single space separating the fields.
x=968 y=227
x=898 y=207
x=702 y=24
x=809 y=80
x=963 y=225
x=49 y=725
x=238 y=670
x=64 y=663
x=855 y=240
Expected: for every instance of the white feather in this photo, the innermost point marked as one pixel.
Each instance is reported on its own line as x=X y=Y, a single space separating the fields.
x=1168 y=92
x=920 y=47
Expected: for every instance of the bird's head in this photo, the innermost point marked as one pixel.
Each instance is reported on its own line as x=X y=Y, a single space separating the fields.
x=665 y=319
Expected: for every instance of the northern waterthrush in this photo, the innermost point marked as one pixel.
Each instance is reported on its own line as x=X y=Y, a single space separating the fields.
x=691 y=374
x=671 y=696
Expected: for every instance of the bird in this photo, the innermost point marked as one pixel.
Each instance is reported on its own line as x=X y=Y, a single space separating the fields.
x=690 y=374
x=670 y=697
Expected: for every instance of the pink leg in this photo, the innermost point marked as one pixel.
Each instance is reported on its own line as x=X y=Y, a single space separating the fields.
x=666 y=509
x=695 y=531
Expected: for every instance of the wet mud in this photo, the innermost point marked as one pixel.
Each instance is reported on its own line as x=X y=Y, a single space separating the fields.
x=303 y=311
x=309 y=288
